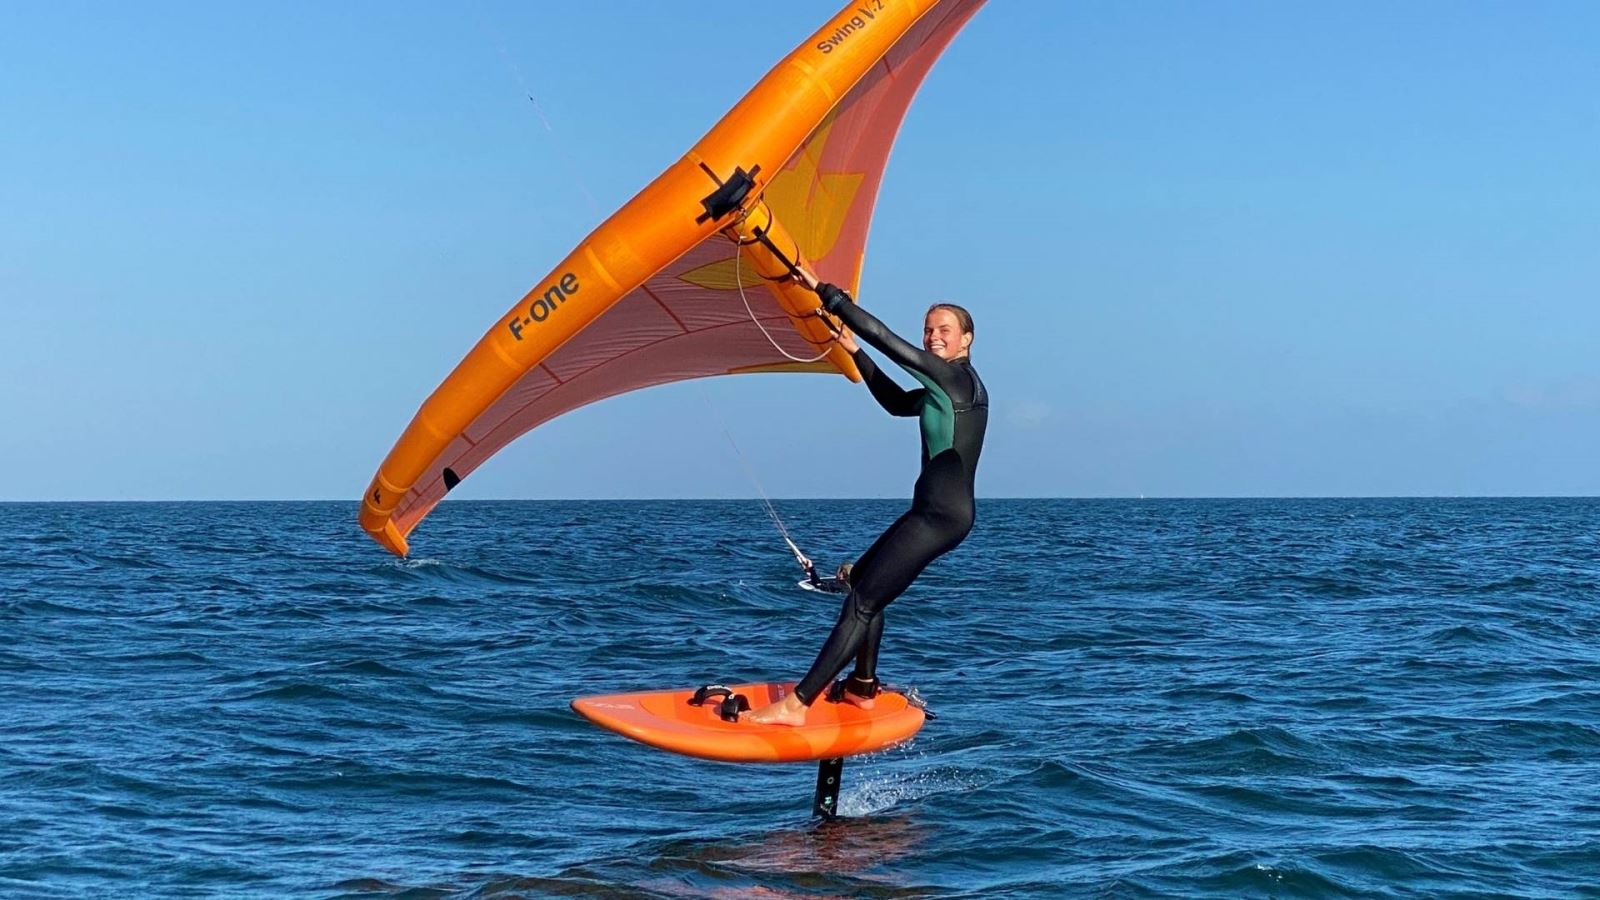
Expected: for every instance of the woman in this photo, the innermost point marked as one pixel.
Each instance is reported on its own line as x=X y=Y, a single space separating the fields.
x=953 y=410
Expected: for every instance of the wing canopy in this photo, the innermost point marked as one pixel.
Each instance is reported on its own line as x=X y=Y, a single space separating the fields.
x=688 y=318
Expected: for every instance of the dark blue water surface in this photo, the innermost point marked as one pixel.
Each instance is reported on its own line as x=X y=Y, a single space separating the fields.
x=1234 y=698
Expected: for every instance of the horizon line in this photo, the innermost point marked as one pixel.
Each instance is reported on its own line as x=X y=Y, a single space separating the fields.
x=757 y=499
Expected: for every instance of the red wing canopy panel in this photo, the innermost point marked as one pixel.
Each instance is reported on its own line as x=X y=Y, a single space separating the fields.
x=826 y=191
x=668 y=330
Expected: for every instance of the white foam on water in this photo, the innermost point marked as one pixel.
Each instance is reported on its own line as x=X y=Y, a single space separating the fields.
x=883 y=790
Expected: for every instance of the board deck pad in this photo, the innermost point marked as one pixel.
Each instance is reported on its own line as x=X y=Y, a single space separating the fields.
x=664 y=719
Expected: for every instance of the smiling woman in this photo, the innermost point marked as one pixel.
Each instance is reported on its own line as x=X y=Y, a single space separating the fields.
x=952 y=408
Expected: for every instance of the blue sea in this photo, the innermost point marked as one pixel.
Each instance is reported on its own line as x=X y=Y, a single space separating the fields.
x=1164 y=698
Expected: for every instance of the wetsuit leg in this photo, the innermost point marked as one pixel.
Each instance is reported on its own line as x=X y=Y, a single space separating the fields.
x=867 y=657
x=897 y=558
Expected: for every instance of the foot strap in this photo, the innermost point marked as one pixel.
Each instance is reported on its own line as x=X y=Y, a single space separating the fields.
x=731 y=704
x=706 y=693
x=865 y=688
x=731 y=707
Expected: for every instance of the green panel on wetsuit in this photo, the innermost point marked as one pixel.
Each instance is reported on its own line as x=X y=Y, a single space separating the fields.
x=938 y=416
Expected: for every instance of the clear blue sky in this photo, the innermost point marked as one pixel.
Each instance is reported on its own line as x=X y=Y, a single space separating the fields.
x=1213 y=249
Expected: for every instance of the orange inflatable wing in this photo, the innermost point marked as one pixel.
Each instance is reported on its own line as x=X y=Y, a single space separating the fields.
x=655 y=294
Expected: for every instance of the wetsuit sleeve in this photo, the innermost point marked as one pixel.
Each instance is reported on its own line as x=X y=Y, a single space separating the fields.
x=896 y=400
x=877 y=335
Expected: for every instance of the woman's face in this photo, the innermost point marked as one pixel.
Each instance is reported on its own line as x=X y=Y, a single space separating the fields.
x=942 y=335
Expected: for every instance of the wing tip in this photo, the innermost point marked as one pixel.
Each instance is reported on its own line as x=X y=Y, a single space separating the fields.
x=383 y=530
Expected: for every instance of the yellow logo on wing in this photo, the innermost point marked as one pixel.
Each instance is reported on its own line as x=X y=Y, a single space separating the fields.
x=811 y=204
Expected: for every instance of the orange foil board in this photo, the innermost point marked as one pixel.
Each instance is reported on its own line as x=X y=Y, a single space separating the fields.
x=664 y=719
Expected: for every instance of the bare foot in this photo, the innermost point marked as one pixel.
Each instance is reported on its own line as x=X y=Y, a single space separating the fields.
x=788 y=711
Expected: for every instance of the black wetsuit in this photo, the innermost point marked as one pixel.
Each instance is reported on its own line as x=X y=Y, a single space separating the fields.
x=953 y=409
